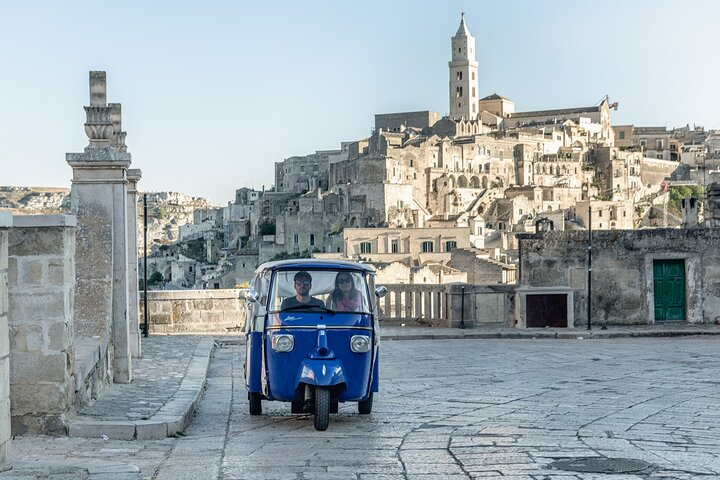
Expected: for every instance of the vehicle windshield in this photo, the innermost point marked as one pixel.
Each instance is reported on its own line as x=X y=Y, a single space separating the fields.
x=319 y=291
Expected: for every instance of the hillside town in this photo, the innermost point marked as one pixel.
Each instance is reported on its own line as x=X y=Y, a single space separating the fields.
x=431 y=199
x=491 y=292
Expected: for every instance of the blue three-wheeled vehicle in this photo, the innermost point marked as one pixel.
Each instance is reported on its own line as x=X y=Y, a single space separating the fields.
x=312 y=336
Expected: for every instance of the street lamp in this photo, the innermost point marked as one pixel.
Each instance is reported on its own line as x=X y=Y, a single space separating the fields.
x=145 y=329
x=586 y=189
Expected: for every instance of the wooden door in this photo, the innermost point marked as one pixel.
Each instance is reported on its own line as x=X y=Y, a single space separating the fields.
x=669 y=290
x=546 y=310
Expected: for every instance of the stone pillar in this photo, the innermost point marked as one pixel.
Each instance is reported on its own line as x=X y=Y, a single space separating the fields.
x=5 y=223
x=133 y=176
x=99 y=200
x=41 y=253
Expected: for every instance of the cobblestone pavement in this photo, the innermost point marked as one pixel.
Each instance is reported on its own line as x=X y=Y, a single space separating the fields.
x=457 y=409
x=156 y=377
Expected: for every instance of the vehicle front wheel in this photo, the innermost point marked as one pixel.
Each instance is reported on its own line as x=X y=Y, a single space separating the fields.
x=322 y=408
x=365 y=406
x=255 y=403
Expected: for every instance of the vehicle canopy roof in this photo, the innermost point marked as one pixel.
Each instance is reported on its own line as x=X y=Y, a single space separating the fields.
x=315 y=264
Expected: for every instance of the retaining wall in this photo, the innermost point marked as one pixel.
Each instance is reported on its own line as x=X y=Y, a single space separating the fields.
x=195 y=311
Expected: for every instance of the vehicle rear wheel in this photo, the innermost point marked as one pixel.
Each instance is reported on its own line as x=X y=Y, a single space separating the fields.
x=322 y=408
x=365 y=406
x=255 y=403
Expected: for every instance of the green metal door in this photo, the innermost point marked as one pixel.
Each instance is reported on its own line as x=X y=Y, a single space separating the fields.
x=669 y=283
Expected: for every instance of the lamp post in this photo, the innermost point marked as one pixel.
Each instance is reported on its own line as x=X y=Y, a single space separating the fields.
x=589 y=277
x=145 y=329
x=586 y=191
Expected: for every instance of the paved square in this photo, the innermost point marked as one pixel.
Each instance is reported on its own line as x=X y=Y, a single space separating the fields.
x=457 y=409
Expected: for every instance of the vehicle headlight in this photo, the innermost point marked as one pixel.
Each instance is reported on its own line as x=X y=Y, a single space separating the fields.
x=360 y=343
x=283 y=343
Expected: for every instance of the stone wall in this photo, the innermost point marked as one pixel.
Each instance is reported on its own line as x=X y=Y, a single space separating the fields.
x=41 y=270
x=483 y=305
x=622 y=262
x=5 y=222
x=480 y=271
x=195 y=311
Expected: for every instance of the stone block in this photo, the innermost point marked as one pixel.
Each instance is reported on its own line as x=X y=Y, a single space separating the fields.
x=4 y=377
x=30 y=273
x=4 y=420
x=114 y=430
x=4 y=337
x=57 y=272
x=40 y=398
x=24 y=242
x=160 y=318
x=59 y=336
x=204 y=304
x=4 y=292
x=26 y=338
x=31 y=368
x=12 y=271
x=30 y=307
x=215 y=318
x=3 y=249
x=150 y=430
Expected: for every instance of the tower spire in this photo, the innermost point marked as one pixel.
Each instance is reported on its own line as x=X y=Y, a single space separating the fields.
x=463 y=74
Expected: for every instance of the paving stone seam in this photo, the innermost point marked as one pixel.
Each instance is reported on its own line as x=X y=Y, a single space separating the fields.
x=171 y=419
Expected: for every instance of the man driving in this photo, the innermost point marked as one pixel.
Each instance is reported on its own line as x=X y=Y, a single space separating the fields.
x=303 y=284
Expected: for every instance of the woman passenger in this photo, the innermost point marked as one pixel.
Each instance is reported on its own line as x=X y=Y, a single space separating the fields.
x=345 y=297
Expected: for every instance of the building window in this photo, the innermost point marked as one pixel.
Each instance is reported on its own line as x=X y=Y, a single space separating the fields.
x=458 y=92
x=312 y=239
x=315 y=168
x=296 y=239
x=622 y=135
x=427 y=247
x=302 y=168
x=599 y=213
x=659 y=145
x=473 y=75
x=394 y=246
x=365 y=247
x=450 y=245
x=473 y=91
x=458 y=75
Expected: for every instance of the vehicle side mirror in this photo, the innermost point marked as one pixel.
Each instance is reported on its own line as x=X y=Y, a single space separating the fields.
x=253 y=296
x=381 y=291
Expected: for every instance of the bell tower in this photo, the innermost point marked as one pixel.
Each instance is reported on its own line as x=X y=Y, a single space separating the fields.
x=463 y=75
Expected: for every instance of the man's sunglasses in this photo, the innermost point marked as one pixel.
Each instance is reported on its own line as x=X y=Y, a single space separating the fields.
x=344 y=280
x=307 y=283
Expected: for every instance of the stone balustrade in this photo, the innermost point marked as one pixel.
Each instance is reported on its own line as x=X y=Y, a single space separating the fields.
x=449 y=305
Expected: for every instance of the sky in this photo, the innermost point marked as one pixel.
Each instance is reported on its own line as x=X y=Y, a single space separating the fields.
x=215 y=92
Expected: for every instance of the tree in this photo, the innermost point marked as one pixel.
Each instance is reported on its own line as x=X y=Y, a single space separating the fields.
x=155 y=278
x=266 y=227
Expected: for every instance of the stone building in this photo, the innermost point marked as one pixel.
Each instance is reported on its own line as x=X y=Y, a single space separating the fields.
x=412 y=246
x=638 y=276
